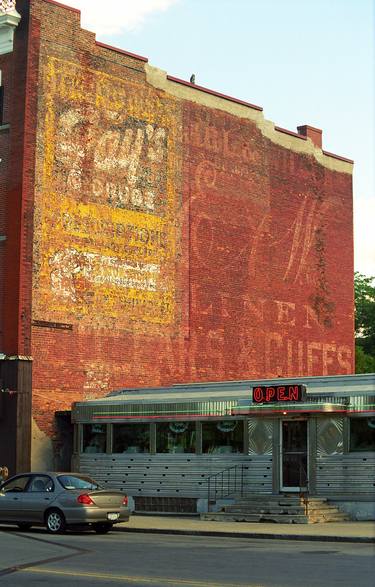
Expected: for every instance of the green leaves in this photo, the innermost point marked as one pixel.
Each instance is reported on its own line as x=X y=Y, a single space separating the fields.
x=364 y=292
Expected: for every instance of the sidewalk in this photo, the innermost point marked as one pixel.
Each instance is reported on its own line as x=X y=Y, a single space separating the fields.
x=329 y=532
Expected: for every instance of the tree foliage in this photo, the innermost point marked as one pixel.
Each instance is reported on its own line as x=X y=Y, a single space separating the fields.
x=364 y=292
x=364 y=363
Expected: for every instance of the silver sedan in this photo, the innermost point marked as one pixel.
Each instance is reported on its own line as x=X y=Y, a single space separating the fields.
x=60 y=500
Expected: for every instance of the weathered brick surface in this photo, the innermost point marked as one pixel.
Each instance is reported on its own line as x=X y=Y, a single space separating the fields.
x=17 y=197
x=271 y=254
x=171 y=242
x=4 y=146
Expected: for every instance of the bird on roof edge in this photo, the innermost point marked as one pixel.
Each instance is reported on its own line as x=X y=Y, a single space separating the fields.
x=192 y=78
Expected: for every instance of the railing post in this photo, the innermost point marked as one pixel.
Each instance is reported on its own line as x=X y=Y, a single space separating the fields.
x=208 y=494
x=307 y=494
x=225 y=480
x=304 y=482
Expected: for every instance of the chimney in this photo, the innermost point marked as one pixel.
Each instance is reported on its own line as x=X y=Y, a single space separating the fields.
x=315 y=134
x=9 y=19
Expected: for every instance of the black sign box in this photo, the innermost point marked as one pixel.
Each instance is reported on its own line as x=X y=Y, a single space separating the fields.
x=278 y=394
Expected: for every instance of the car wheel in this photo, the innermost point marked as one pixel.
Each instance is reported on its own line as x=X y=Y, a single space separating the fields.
x=24 y=526
x=55 y=522
x=102 y=528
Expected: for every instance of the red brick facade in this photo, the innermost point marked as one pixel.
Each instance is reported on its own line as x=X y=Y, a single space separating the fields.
x=157 y=238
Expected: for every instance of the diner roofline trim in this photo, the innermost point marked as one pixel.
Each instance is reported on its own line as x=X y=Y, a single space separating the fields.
x=266 y=410
x=323 y=385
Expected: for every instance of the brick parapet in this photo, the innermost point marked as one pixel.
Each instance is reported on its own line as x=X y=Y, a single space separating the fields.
x=269 y=128
x=195 y=87
x=64 y=6
x=213 y=99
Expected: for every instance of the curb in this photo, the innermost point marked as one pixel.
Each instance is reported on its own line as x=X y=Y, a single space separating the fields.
x=223 y=534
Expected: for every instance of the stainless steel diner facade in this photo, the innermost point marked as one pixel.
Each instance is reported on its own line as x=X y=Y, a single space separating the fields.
x=161 y=445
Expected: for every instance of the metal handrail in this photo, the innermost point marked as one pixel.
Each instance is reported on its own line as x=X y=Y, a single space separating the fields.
x=304 y=482
x=227 y=482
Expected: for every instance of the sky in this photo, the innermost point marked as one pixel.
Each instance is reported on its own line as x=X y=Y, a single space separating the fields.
x=304 y=61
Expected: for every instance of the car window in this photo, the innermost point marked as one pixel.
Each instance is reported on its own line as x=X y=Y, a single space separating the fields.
x=16 y=484
x=41 y=483
x=77 y=482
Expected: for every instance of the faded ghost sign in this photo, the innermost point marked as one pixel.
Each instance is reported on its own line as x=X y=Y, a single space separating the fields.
x=107 y=205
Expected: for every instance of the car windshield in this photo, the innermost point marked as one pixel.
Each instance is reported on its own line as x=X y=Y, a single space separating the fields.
x=76 y=482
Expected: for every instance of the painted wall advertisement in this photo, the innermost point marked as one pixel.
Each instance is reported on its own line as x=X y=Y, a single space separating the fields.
x=108 y=204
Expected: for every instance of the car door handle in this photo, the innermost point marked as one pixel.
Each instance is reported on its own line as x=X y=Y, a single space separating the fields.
x=47 y=499
x=15 y=498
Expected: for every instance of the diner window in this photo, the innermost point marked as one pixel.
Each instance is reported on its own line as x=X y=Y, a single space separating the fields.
x=94 y=438
x=175 y=437
x=131 y=438
x=362 y=434
x=222 y=437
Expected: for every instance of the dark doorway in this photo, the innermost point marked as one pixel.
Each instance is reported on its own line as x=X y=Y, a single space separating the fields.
x=63 y=448
x=294 y=455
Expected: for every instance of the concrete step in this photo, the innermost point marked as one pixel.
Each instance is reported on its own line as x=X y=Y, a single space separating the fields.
x=263 y=509
x=279 y=500
x=272 y=496
x=279 y=509
x=338 y=517
x=270 y=499
x=233 y=517
x=269 y=503
x=324 y=508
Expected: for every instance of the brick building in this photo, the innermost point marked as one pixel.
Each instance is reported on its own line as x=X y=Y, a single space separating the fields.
x=152 y=231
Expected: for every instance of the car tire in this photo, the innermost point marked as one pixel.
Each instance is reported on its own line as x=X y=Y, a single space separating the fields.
x=102 y=527
x=24 y=526
x=55 y=521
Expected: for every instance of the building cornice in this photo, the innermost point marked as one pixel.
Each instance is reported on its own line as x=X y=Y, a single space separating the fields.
x=9 y=20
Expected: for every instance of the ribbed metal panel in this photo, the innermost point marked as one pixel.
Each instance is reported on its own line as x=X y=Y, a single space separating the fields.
x=361 y=403
x=356 y=403
x=90 y=412
x=348 y=474
x=329 y=384
x=330 y=436
x=260 y=436
x=173 y=475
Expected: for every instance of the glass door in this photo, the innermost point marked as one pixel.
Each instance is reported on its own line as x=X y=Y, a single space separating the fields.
x=294 y=455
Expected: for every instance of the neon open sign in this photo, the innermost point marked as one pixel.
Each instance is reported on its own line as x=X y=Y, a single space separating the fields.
x=278 y=393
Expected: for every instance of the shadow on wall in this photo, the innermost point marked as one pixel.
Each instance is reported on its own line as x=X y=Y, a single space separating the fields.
x=41 y=450
x=63 y=445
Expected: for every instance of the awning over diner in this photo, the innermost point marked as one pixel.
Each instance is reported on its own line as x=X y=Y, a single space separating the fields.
x=289 y=408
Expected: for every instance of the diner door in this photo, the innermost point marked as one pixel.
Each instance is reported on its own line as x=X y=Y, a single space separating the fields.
x=294 y=474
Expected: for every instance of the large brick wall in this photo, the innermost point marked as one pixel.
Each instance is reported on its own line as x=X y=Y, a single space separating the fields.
x=271 y=254
x=173 y=240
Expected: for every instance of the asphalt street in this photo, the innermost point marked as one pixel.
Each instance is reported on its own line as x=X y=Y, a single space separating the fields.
x=36 y=558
